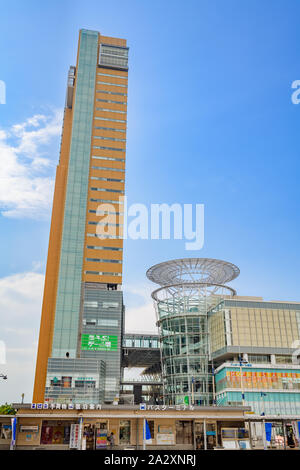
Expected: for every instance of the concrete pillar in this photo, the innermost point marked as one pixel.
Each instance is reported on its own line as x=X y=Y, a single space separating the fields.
x=273 y=359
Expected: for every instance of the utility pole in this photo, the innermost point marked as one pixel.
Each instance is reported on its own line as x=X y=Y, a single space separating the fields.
x=144 y=434
x=264 y=434
x=242 y=385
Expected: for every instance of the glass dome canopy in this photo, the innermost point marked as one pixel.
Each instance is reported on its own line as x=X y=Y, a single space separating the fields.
x=193 y=270
x=189 y=289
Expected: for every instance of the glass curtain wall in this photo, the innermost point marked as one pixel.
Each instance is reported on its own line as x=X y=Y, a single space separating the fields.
x=183 y=320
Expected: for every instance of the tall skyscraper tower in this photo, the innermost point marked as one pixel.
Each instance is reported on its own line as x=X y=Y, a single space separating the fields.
x=79 y=351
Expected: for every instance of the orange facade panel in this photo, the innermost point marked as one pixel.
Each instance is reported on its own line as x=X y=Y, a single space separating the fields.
x=115 y=199
x=108 y=143
x=109 y=133
x=107 y=123
x=119 y=90
x=115 y=186
x=101 y=265
x=105 y=279
x=122 y=73
x=92 y=205
x=91 y=231
x=103 y=148
x=99 y=242
x=98 y=169
x=105 y=162
x=105 y=96
x=95 y=241
x=99 y=103
x=103 y=78
x=103 y=254
x=100 y=173
x=110 y=116
x=116 y=217
x=112 y=41
x=97 y=187
x=91 y=225
x=107 y=155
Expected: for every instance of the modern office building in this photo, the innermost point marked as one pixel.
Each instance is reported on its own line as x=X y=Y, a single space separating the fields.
x=80 y=342
x=220 y=348
x=254 y=347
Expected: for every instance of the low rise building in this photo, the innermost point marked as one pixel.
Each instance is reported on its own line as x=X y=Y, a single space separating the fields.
x=172 y=427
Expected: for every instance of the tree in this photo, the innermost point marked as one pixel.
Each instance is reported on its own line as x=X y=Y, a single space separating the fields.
x=7 y=409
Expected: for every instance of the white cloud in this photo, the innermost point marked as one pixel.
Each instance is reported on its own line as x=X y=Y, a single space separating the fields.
x=20 y=311
x=26 y=172
x=139 y=314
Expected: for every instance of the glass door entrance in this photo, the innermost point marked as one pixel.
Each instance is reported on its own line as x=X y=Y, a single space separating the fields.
x=199 y=436
x=184 y=432
x=211 y=435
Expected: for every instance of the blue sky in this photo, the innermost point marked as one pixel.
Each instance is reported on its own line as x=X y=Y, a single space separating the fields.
x=210 y=120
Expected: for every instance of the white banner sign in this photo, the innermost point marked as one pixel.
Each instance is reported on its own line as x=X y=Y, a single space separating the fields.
x=74 y=436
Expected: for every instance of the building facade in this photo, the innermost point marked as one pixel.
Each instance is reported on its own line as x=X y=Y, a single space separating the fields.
x=219 y=348
x=80 y=342
x=189 y=289
x=254 y=346
x=183 y=427
x=268 y=389
x=251 y=326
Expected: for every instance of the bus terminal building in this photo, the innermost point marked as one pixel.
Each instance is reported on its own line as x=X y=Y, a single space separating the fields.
x=181 y=427
x=172 y=427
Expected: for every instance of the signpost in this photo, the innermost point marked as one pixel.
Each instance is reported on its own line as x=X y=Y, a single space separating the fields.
x=13 y=433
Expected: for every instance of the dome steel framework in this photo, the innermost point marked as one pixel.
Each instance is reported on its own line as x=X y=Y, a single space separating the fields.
x=189 y=289
x=193 y=270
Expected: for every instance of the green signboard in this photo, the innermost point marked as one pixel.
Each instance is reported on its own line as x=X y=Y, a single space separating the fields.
x=99 y=343
x=186 y=400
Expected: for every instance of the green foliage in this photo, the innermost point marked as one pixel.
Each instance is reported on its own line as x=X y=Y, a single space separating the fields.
x=7 y=409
